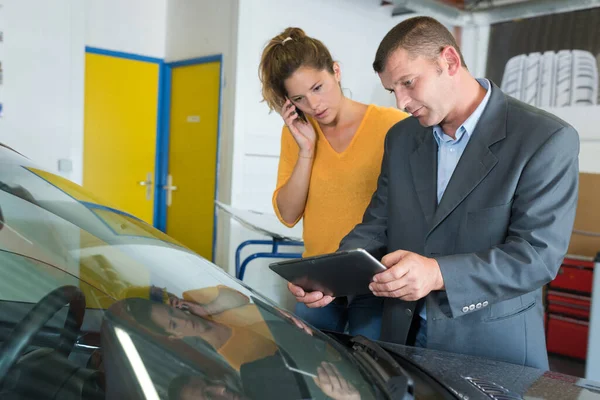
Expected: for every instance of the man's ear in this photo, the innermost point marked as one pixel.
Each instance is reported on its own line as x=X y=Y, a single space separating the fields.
x=451 y=60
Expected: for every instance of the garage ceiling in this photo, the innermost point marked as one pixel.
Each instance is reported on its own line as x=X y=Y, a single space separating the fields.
x=486 y=12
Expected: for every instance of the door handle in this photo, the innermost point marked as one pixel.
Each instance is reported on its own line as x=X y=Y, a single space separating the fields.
x=170 y=189
x=148 y=184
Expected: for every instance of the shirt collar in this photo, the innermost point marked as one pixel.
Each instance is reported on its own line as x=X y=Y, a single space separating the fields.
x=470 y=123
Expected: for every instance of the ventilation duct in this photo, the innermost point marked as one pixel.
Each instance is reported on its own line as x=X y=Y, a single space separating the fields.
x=492 y=15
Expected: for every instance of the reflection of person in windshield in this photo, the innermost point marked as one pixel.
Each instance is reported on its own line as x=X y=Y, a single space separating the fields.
x=219 y=316
x=224 y=303
x=178 y=324
x=197 y=387
x=329 y=380
x=332 y=383
x=223 y=320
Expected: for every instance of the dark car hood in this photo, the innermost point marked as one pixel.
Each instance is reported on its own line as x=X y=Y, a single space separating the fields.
x=462 y=374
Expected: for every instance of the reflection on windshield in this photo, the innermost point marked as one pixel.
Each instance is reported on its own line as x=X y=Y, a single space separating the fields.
x=188 y=387
x=119 y=223
x=220 y=316
x=260 y=343
x=1 y=219
x=197 y=331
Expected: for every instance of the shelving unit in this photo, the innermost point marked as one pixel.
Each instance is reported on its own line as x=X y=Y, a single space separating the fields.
x=568 y=304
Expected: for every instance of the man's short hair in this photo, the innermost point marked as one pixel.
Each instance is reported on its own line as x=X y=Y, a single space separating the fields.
x=419 y=36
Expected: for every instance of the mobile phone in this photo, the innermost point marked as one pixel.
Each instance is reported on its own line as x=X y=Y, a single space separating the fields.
x=301 y=115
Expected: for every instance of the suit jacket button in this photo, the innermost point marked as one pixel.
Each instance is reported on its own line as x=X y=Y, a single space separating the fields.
x=408 y=312
x=465 y=309
x=478 y=306
x=472 y=307
x=485 y=303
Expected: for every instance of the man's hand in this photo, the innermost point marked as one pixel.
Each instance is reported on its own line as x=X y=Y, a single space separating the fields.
x=194 y=308
x=409 y=276
x=311 y=299
x=297 y=322
x=333 y=384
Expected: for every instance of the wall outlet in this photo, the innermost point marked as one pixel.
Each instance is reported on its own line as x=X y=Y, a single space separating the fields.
x=65 y=165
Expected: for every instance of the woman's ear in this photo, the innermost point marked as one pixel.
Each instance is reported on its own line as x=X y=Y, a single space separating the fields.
x=337 y=72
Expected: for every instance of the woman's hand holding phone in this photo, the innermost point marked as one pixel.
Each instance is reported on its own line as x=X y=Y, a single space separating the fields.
x=303 y=132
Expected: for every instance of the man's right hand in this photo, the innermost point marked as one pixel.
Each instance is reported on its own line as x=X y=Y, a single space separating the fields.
x=311 y=299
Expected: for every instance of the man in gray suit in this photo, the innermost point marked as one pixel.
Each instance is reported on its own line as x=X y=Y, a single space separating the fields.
x=474 y=205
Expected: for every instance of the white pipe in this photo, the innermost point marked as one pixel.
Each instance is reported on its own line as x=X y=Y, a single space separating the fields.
x=494 y=15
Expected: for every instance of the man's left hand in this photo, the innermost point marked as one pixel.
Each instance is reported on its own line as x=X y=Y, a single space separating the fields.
x=409 y=276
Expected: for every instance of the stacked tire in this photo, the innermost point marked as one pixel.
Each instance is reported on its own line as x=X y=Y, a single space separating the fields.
x=568 y=78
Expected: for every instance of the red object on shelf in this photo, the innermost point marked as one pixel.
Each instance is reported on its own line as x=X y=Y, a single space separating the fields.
x=567 y=336
x=575 y=278
x=577 y=262
x=568 y=303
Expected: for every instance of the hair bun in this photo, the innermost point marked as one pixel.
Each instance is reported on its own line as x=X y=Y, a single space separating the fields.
x=294 y=33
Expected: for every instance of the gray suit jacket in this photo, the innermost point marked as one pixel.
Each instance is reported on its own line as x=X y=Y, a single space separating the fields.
x=499 y=232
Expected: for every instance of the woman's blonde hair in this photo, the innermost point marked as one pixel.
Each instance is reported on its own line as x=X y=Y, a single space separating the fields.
x=282 y=56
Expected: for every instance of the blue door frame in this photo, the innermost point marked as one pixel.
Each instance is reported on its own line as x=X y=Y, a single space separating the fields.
x=162 y=148
x=163 y=122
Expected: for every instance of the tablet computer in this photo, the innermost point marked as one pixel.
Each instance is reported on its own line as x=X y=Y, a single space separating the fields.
x=344 y=273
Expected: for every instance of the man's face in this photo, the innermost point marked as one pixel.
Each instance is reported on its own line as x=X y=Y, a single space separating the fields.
x=422 y=86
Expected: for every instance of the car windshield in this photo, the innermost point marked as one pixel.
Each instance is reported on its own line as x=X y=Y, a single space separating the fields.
x=156 y=321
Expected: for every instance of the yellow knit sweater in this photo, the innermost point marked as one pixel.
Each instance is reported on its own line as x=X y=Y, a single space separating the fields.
x=341 y=184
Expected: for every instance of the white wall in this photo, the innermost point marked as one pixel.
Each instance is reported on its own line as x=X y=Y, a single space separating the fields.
x=474 y=46
x=131 y=26
x=586 y=120
x=197 y=28
x=43 y=61
x=42 y=93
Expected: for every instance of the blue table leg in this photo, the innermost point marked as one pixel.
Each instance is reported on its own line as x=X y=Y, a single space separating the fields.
x=240 y=270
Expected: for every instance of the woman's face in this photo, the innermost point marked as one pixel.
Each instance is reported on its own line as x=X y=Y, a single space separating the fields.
x=179 y=323
x=316 y=93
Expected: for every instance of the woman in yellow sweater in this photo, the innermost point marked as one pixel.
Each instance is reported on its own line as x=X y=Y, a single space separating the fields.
x=331 y=153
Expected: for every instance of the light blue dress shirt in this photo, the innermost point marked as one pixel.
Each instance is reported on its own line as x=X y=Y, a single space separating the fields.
x=450 y=150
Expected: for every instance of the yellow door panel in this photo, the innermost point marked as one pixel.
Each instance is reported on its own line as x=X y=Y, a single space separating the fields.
x=194 y=117
x=121 y=105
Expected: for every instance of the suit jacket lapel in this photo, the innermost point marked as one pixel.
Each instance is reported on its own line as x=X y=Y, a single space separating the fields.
x=477 y=160
x=423 y=164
